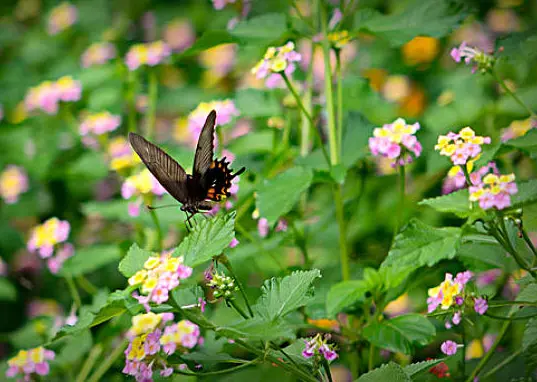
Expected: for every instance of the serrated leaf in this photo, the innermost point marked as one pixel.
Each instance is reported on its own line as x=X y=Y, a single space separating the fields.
x=399 y=334
x=187 y=296
x=89 y=259
x=282 y=296
x=258 y=329
x=207 y=239
x=8 y=292
x=455 y=202
x=267 y=28
x=418 y=367
x=418 y=245
x=345 y=294
x=435 y=18
x=133 y=261
x=277 y=196
x=388 y=372
x=527 y=193
x=530 y=334
x=482 y=252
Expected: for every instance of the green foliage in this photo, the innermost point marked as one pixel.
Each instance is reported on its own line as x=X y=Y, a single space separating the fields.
x=8 y=292
x=90 y=259
x=456 y=203
x=74 y=347
x=399 y=334
x=261 y=30
x=133 y=261
x=526 y=143
x=387 y=372
x=258 y=329
x=256 y=103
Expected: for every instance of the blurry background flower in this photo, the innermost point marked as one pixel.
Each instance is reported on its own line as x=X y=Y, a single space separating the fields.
x=421 y=50
x=47 y=95
x=143 y=183
x=61 y=18
x=225 y=112
x=13 y=182
x=120 y=154
x=179 y=35
x=518 y=128
x=98 y=54
x=150 y=54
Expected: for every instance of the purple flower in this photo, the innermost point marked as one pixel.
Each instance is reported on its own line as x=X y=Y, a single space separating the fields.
x=480 y=305
x=459 y=300
x=456 y=318
x=263 y=227
x=449 y=347
x=463 y=277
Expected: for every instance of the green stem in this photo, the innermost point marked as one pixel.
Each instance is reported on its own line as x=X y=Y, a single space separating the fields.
x=510 y=248
x=219 y=372
x=154 y=217
x=511 y=93
x=307 y=114
x=401 y=209
x=152 y=104
x=340 y=216
x=237 y=308
x=108 y=362
x=463 y=365
x=528 y=241
x=85 y=284
x=489 y=354
x=326 y=367
x=73 y=291
x=301 y=244
x=224 y=260
x=505 y=361
x=332 y=134
x=306 y=125
x=131 y=100
x=466 y=174
x=94 y=353
x=339 y=103
x=371 y=361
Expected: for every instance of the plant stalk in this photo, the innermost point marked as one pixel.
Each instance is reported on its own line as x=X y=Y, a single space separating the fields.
x=224 y=260
x=152 y=104
x=340 y=216
x=108 y=362
x=512 y=93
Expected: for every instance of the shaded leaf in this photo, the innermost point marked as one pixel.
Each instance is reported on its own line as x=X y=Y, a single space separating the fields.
x=8 y=292
x=133 y=261
x=208 y=40
x=345 y=294
x=258 y=329
x=89 y=259
x=74 y=349
x=526 y=143
x=256 y=103
x=456 y=202
x=418 y=367
x=388 y=372
x=261 y=29
x=527 y=193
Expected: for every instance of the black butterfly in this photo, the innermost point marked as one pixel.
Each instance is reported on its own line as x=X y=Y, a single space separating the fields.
x=210 y=180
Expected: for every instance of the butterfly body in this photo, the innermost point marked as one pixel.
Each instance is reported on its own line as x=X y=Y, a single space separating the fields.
x=210 y=180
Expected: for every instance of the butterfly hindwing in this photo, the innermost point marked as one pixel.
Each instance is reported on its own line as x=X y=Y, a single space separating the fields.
x=221 y=176
x=205 y=152
x=168 y=172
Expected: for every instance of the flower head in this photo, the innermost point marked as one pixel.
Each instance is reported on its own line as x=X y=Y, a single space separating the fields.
x=277 y=60
x=47 y=95
x=446 y=294
x=150 y=54
x=120 y=154
x=28 y=362
x=318 y=347
x=491 y=189
x=99 y=123
x=339 y=39
x=225 y=112
x=223 y=286
x=480 y=305
x=143 y=183
x=61 y=18
x=98 y=54
x=518 y=128
x=13 y=182
x=179 y=35
x=421 y=50
x=461 y=147
x=45 y=236
x=481 y=60
x=396 y=141
x=449 y=347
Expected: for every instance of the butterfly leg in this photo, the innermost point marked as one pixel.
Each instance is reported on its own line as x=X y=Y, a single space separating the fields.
x=188 y=224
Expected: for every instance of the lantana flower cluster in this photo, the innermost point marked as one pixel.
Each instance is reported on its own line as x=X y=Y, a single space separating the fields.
x=150 y=54
x=98 y=124
x=28 y=362
x=318 y=348
x=13 y=182
x=481 y=61
x=396 y=141
x=120 y=154
x=61 y=18
x=98 y=54
x=223 y=286
x=461 y=147
x=47 y=95
x=277 y=60
x=48 y=240
x=491 y=189
x=451 y=293
x=263 y=226
x=153 y=337
x=225 y=112
x=139 y=185
x=159 y=276
x=179 y=35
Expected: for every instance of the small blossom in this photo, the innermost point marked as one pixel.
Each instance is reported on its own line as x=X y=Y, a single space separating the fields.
x=219 y=61
x=491 y=189
x=179 y=35
x=225 y=112
x=480 y=305
x=120 y=154
x=396 y=141
x=28 y=362
x=98 y=54
x=461 y=147
x=518 y=128
x=317 y=347
x=143 y=183
x=99 y=123
x=449 y=347
x=277 y=60
x=223 y=286
x=13 y=182
x=61 y=18
x=482 y=61
x=421 y=50
x=150 y=54
x=47 y=95
x=263 y=227
x=441 y=370
x=45 y=236
x=446 y=294
x=339 y=39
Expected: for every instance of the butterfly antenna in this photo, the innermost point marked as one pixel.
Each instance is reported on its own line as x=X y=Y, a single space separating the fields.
x=239 y=172
x=158 y=207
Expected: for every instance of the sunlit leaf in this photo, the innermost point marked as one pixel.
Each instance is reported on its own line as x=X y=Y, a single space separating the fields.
x=387 y=372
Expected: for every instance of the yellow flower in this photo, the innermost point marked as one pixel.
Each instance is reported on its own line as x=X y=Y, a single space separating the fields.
x=453 y=171
x=278 y=65
x=421 y=50
x=467 y=133
x=171 y=264
x=145 y=323
x=138 y=277
x=475 y=196
x=37 y=355
x=475 y=350
x=448 y=150
x=507 y=178
x=339 y=39
x=149 y=284
x=20 y=359
x=324 y=323
x=491 y=179
x=152 y=262
x=271 y=51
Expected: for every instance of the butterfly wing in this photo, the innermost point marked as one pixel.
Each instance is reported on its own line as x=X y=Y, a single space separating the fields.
x=168 y=172
x=205 y=152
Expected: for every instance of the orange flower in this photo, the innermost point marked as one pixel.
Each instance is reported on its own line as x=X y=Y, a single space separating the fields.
x=421 y=50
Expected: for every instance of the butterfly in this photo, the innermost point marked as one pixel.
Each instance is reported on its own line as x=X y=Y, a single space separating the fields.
x=210 y=180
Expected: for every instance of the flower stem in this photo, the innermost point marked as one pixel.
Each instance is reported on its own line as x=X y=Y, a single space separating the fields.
x=73 y=291
x=108 y=362
x=307 y=114
x=224 y=260
x=332 y=134
x=504 y=362
x=339 y=103
x=237 y=308
x=94 y=353
x=152 y=104
x=85 y=284
x=401 y=209
x=463 y=364
x=131 y=100
x=306 y=125
x=340 y=216
x=326 y=368
x=528 y=242
x=371 y=361
x=158 y=228
x=511 y=93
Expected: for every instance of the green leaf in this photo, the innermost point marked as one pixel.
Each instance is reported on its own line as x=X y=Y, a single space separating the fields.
x=277 y=196
x=261 y=29
x=435 y=18
x=208 y=40
x=282 y=296
x=344 y=294
x=457 y=203
x=294 y=351
x=256 y=103
x=530 y=334
x=482 y=252
x=89 y=259
x=187 y=296
x=8 y=292
x=90 y=165
x=208 y=238
x=529 y=293
x=526 y=143
x=399 y=334
x=74 y=349
x=527 y=193
x=254 y=142
x=133 y=261
x=388 y=372
x=418 y=245
x=258 y=329
x=418 y=367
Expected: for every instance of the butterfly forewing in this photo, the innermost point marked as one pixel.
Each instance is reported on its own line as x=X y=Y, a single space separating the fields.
x=168 y=172
x=205 y=151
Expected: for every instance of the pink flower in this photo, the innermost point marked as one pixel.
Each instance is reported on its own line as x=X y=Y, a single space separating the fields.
x=184 y=271
x=233 y=243
x=133 y=208
x=159 y=294
x=99 y=123
x=396 y=141
x=179 y=35
x=61 y=18
x=456 y=318
x=150 y=54
x=449 y=347
x=463 y=277
x=98 y=54
x=263 y=227
x=480 y=305
x=13 y=183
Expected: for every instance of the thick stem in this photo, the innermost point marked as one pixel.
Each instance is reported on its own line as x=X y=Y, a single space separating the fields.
x=339 y=78
x=511 y=93
x=152 y=104
x=73 y=291
x=340 y=216
x=158 y=228
x=131 y=100
x=85 y=284
x=108 y=362
x=371 y=361
x=224 y=260
x=94 y=353
x=237 y=308
x=306 y=125
x=401 y=209
x=332 y=134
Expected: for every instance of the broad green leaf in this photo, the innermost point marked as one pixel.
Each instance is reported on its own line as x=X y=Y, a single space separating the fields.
x=208 y=238
x=256 y=103
x=530 y=334
x=254 y=142
x=89 y=165
x=526 y=143
x=345 y=294
x=399 y=334
x=527 y=193
x=294 y=351
x=74 y=349
x=258 y=329
x=507 y=105
x=281 y=296
x=187 y=296
x=435 y=18
x=418 y=245
x=457 y=202
x=529 y=293
x=418 y=367
x=8 y=292
x=261 y=29
x=277 y=196
x=209 y=40
x=481 y=252
x=388 y=372
x=133 y=261
x=89 y=259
